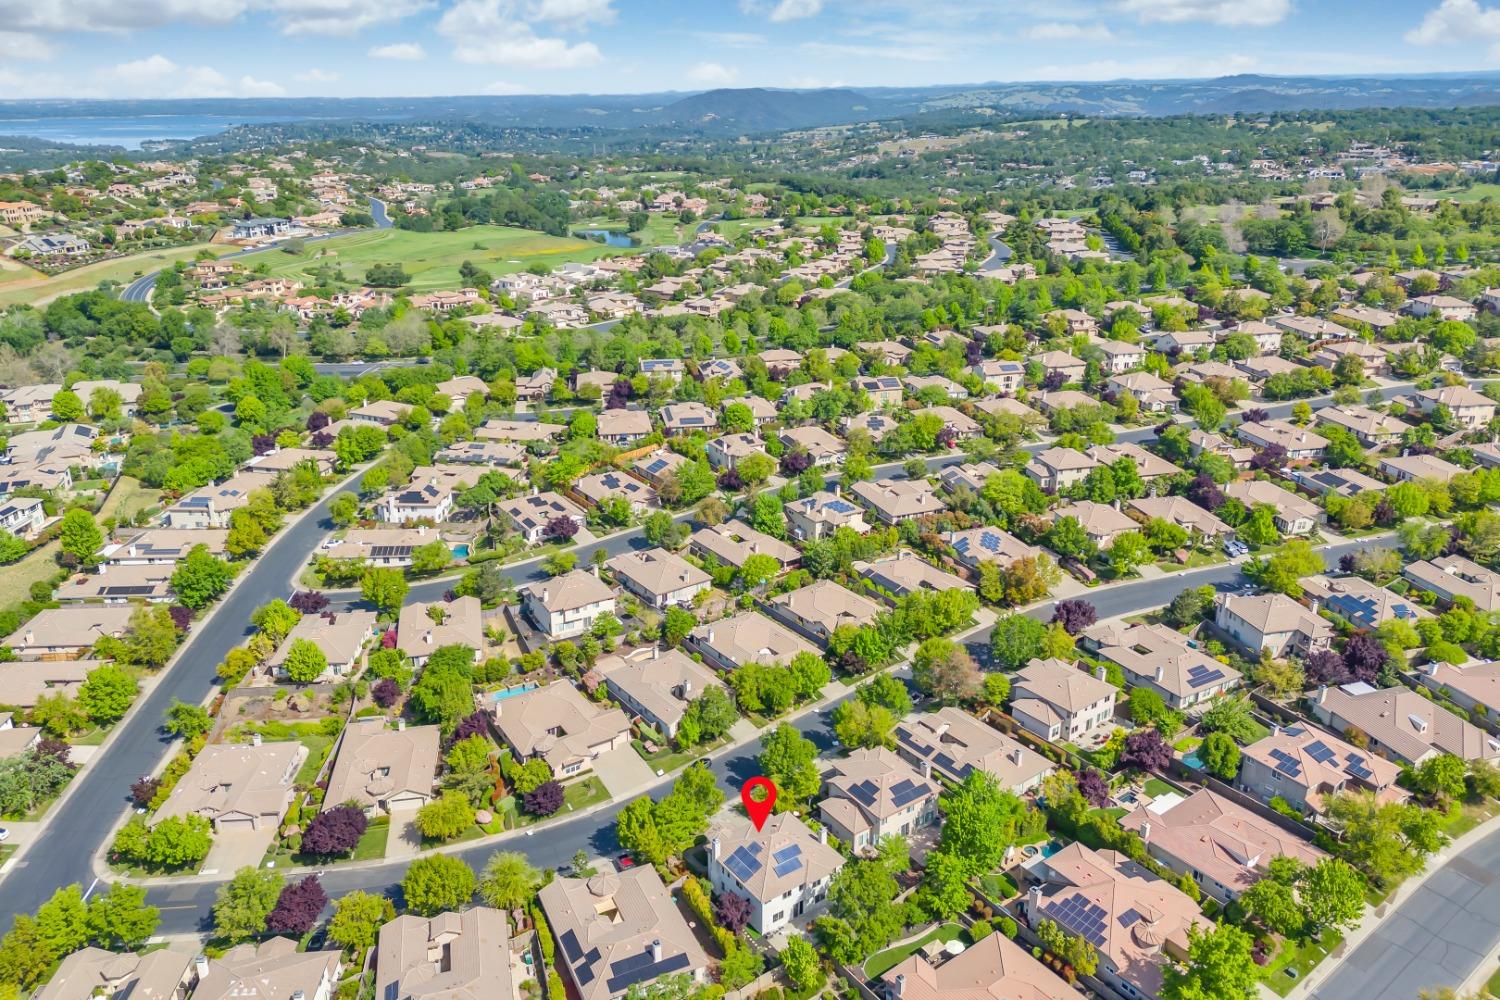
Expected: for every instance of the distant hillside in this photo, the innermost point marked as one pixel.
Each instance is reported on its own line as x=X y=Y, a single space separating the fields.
x=761 y=110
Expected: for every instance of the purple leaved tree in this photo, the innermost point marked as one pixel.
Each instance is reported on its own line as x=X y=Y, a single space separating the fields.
x=297 y=909
x=1146 y=750
x=334 y=831
x=543 y=800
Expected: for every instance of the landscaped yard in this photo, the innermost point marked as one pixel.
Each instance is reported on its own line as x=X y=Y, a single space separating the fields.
x=1299 y=960
x=1156 y=787
x=127 y=499
x=39 y=291
x=16 y=580
x=431 y=259
x=371 y=846
x=882 y=962
x=668 y=760
x=998 y=886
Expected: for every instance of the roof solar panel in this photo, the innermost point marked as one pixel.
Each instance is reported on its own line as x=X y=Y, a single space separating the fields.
x=621 y=981
x=1319 y=752
x=840 y=506
x=864 y=791
x=788 y=866
x=1290 y=768
x=1129 y=917
x=787 y=853
x=755 y=848
x=1204 y=678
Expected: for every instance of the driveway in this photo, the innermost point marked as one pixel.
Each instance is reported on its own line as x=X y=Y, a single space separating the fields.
x=623 y=771
x=405 y=840
x=236 y=849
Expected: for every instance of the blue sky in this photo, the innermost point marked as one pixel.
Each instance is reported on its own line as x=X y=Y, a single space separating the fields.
x=259 y=48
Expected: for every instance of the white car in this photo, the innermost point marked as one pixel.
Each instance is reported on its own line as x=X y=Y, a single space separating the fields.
x=4 y=833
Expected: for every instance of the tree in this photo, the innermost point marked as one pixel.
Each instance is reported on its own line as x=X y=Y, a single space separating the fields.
x=1016 y=640
x=1148 y=709
x=246 y=534
x=1441 y=777
x=858 y=724
x=1221 y=756
x=676 y=623
x=384 y=588
x=790 y=760
x=79 y=536
x=297 y=908
x=1219 y=967
x=201 y=578
x=335 y=831
x=944 y=670
x=59 y=715
x=305 y=661
x=732 y=911
x=106 y=693
x=1146 y=750
x=945 y=890
x=432 y=557
x=980 y=820
x=244 y=902
x=120 y=917
x=445 y=817
x=1385 y=841
x=1274 y=904
x=357 y=918
x=62 y=921
x=1333 y=894
x=1284 y=569
x=707 y=717
x=800 y=960
x=545 y=799
x=860 y=899
x=1128 y=551
x=67 y=407
x=277 y=619
x=1075 y=615
x=887 y=692
x=436 y=883
x=508 y=881
x=187 y=722
x=343 y=509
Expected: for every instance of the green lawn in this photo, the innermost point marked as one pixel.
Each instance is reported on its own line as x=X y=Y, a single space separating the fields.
x=371 y=846
x=1155 y=787
x=1301 y=958
x=122 y=269
x=6 y=850
x=882 y=962
x=1474 y=193
x=661 y=230
x=1492 y=987
x=432 y=259
x=998 y=886
x=127 y=499
x=317 y=751
x=16 y=579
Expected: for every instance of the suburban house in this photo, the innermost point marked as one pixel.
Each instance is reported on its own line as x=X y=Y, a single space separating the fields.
x=237 y=786
x=1470 y=409
x=1101 y=522
x=340 y=635
x=874 y=793
x=1359 y=601
x=381 y=413
x=23 y=516
x=973 y=475
x=1163 y=660
x=659 y=577
x=819 y=515
x=1401 y=725
x=211 y=505
x=272 y=968
x=115 y=584
x=883 y=390
x=1370 y=428
x=1272 y=622
x=623 y=428
x=1001 y=376
x=994 y=968
x=823 y=448
x=1415 y=468
x=658 y=467
x=1200 y=524
x=1058 y=468
x=1154 y=394
x=619 y=929
x=906 y=573
x=655 y=684
x=559 y=725
x=69 y=632
x=70 y=444
x=94 y=972
x=383 y=769
x=734 y=541
x=1292 y=514
x=422 y=629
x=1452 y=577
x=1305 y=766
x=1224 y=846
x=567 y=605
x=973 y=546
x=747 y=637
x=1060 y=702
x=671 y=369
x=1444 y=306
x=1070 y=368
x=895 y=500
x=952 y=743
x=821 y=607
x=446 y=957
x=1149 y=465
x=1137 y=922
x=1372 y=359
x=728 y=451
x=685 y=418
x=1300 y=444
x=387 y=547
x=1473 y=686
x=780 y=869
x=600 y=488
x=530 y=515
x=430 y=496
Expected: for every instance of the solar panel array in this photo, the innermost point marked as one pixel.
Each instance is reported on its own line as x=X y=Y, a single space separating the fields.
x=1201 y=675
x=1356 y=609
x=583 y=964
x=126 y=590
x=787 y=860
x=907 y=791
x=864 y=792
x=1355 y=765
x=640 y=968
x=1129 y=917
x=745 y=861
x=692 y=421
x=1286 y=763
x=1320 y=752
x=1082 y=917
x=840 y=506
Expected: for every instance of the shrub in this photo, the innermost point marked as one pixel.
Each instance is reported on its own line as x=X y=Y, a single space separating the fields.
x=297 y=908
x=543 y=800
x=335 y=831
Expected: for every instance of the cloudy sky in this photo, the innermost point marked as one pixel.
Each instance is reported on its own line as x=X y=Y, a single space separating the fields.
x=261 y=48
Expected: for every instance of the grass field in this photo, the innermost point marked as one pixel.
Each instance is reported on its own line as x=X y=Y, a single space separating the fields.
x=39 y=290
x=127 y=499
x=661 y=230
x=431 y=259
x=882 y=962
x=1475 y=193
x=16 y=580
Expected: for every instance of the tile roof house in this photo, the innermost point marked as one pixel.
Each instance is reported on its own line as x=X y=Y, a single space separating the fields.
x=530 y=515
x=1473 y=686
x=974 y=475
x=1072 y=368
x=559 y=725
x=1149 y=465
x=995 y=968
x=1164 y=660
x=684 y=418
x=780 y=869
x=658 y=466
x=1224 y=846
x=821 y=607
x=384 y=770
x=430 y=496
x=1197 y=522
x=1059 y=468
x=973 y=546
x=659 y=577
x=421 y=630
x=1300 y=443
x=824 y=449
x=67 y=633
x=270 y=969
x=1292 y=513
x=728 y=451
x=1305 y=765
x=116 y=584
x=906 y=573
x=600 y=488
x=656 y=684
x=1470 y=409
x=237 y=786
x=1401 y=724
x=1061 y=702
x=567 y=605
x=874 y=793
x=748 y=637
x=340 y=635
x=211 y=505
x=1137 y=921
x=452 y=956
x=1370 y=428
x=1154 y=394
x=820 y=514
x=1359 y=601
x=954 y=743
x=895 y=500
x=1272 y=622
x=1452 y=577
x=623 y=427
x=94 y=972
x=616 y=930
x=1415 y=468
x=735 y=541
x=1101 y=522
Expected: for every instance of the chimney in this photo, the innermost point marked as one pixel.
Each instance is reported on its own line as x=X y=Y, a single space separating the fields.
x=656 y=950
x=926 y=770
x=1101 y=673
x=1160 y=673
x=710 y=637
x=1322 y=693
x=1146 y=830
x=898 y=986
x=545 y=592
x=102 y=568
x=714 y=846
x=687 y=690
x=255 y=739
x=1016 y=755
x=200 y=967
x=822 y=834
x=421 y=530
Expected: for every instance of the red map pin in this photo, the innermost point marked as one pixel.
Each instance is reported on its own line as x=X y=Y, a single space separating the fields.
x=759 y=796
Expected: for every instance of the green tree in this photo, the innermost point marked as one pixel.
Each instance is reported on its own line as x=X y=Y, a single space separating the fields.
x=432 y=557
x=445 y=817
x=357 y=919
x=1441 y=777
x=384 y=588
x=1275 y=905
x=800 y=960
x=1283 y=570
x=305 y=661
x=120 y=917
x=508 y=881
x=1219 y=967
x=436 y=883
x=244 y=902
x=980 y=820
x=1221 y=756
x=79 y=536
x=276 y=620
x=790 y=760
x=343 y=509
x=1333 y=895
x=1016 y=640
x=62 y=922
x=187 y=722
x=67 y=407
x=859 y=725
x=201 y=578
x=106 y=693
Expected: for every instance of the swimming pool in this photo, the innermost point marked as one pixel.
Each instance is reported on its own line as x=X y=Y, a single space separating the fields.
x=461 y=550
x=1193 y=760
x=512 y=692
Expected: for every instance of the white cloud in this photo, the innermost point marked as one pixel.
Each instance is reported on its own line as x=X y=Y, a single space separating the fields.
x=504 y=88
x=1458 y=21
x=1066 y=31
x=114 y=15
x=402 y=51
x=796 y=10
x=24 y=45
x=158 y=76
x=713 y=73
x=503 y=32
x=316 y=75
x=1232 y=13
x=339 y=17
x=898 y=53
x=251 y=87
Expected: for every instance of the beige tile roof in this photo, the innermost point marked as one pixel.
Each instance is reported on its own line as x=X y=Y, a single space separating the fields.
x=1322 y=770
x=167 y=543
x=869 y=778
x=1217 y=836
x=955 y=743
x=749 y=637
x=609 y=920
x=895 y=499
x=418 y=635
x=272 y=970
x=1147 y=464
x=517 y=430
x=735 y=541
x=1477 y=680
x=236 y=781
x=1251 y=492
x=557 y=723
x=69 y=627
x=906 y=572
x=1160 y=654
x=23 y=681
x=780 y=833
x=656 y=571
x=1360 y=420
x=619 y=423
x=1419 y=467
x=453 y=956
x=1281 y=432
x=1182 y=512
x=376 y=762
x=827 y=604
x=1271 y=614
x=94 y=972
x=575 y=589
x=1064 y=460
x=1456 y=396
x=1456 y=576
x=994 y=969
x=1082 y=879
x=1411 y=726
x=1097 y=519
x=815 y=440
x=1062 y=684
x=665 y=682
x=340 y=636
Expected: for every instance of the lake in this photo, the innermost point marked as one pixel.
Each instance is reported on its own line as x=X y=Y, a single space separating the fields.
x=129 y=131
x=609 y=237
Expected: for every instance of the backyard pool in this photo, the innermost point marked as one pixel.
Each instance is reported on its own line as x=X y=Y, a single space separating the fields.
x=1193 y=760
x=461 y=550
x=512 y=692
